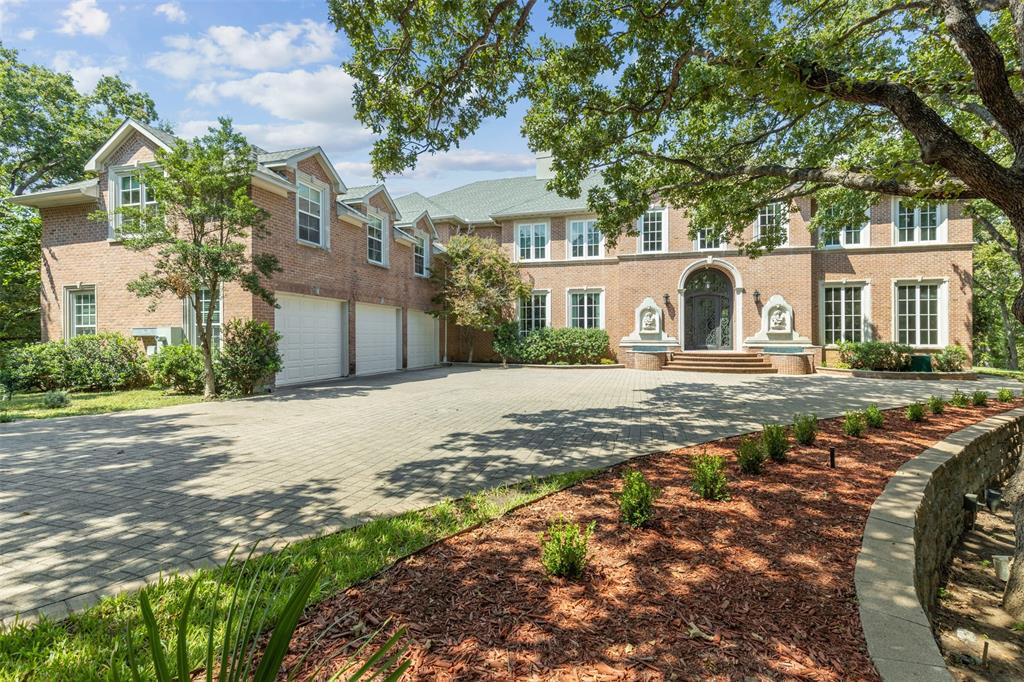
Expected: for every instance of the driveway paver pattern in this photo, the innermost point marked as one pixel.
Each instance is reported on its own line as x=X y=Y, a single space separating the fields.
x=93 y=505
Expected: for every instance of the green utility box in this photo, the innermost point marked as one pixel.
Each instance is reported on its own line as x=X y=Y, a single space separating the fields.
x=920 y=363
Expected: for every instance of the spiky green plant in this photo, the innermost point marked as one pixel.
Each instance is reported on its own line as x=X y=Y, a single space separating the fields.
x=854 y=424
x=874 y=417
x=805 y=428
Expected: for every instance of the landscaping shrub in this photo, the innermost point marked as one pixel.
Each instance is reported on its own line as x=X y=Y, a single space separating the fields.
x=959 y=399
x=179 y=368
x=6 y=418
x=915 y=412
x=636 y=502
x=507 y=343
x=774 y=441
x=936 y=405
x=54 y=399
x=875 y=355
x=979 y=398
x=1004 y=395
x=952 y=358
x=91 y=362
x=750 y=455
x=708 y=477
x=874 y=417
x=248 y=356
x=38 y=367
x=568 y=345
x=805 y=428
x=564 y=548
x=854 y=424
x=606 y=361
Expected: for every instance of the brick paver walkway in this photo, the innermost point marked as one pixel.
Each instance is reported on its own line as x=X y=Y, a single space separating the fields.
x=93 y=505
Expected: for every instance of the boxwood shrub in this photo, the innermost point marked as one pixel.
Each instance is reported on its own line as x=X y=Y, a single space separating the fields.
x=179 y=368
x=91 y=362
x=549 y=346
x=952 y=358
x=875 y=355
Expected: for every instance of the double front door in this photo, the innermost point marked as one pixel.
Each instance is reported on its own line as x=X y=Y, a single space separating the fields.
x=708 y=311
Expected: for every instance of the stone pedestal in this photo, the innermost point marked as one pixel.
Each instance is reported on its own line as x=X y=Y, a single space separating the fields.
x=776 y=327
x=648 y=330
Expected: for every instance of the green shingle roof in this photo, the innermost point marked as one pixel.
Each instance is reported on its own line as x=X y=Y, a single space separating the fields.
x=272 y=157
x=359 y=191
x=412 y=205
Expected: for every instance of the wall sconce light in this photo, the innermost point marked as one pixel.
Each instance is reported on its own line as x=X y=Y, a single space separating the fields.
x=665 y=297
x=757 y=296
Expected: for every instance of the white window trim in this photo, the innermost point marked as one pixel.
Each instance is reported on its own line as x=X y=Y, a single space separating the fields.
x=325 y=210
x=943 y=303
x=190 y=325
x=385 y=237
x=941 y=226
x=114 y=175
x=547 y=247
x=568 y=239
x=69 y=313
x=786 y=210
x=425 y=240
x=583 y=290
x=547 y=308
x=664 y=231
x=722 y=246
x=865 y=237
x=865 y=307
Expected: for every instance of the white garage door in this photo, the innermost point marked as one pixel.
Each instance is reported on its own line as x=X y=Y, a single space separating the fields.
x=378 y=338
x=312 y=341
x=423 y=343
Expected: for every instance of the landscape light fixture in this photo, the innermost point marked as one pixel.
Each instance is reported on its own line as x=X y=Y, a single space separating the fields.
x=832 y=457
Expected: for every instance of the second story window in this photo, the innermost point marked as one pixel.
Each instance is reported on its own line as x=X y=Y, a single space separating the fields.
x=652 y=231
x=845 y=236
x=128 y=191
x=310 y=214
x=419 y=256
x=585 y=241
x=917 y=224
x=375 y=240
x=709 y=240
x=532 y=239
x=773 y=223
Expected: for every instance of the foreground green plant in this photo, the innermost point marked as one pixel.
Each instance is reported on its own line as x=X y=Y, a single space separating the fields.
x=854 y=424
x=915 y=412
x=805 y=428
x=874 y=417
x=936 y=405
x=89 y=639
x=56 y=399
x=709 y=477
x=636 y=501
x=959 y=399
x=979 y=398
x=750 y=455
x=1004 y=395
x=564 y=548
x=775 y=442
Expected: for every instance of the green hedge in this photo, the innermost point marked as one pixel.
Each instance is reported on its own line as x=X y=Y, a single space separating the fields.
x=548 y=346
x=875 y=355
x=91 y=362
x=179 y=368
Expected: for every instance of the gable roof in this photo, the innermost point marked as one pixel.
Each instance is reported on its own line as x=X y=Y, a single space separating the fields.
x=291 y=158
x=415 y=204
x=129 y=127
x=362 y=194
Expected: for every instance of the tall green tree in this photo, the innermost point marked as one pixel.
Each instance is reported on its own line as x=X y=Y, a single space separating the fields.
x=200 y=228
x=48 y=130
x=997 y=333
x=477 y=286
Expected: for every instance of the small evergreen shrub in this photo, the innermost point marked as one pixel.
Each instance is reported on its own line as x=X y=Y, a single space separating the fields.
x=915 y=412
x=248 y=356
x=854 y=424
x=55 y=399
x=774 y=441
x=936 y=405
x=179 y=368
x=952 y=358
x=979 y=398
x=805 y=428
x=5 y=417
x=959 y=399
x=91 y=362
x=1004 y=395
x=636 y=502
x=708 y=477
x=875 y=355
x=564 y=548
x=750 y=455
x=549 y=346
x=874 y=417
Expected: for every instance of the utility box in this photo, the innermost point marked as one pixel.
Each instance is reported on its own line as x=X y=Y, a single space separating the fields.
x=155 y=338
x=920 y=363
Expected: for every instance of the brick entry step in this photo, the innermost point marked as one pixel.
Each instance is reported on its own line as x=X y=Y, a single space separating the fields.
x=719 y=362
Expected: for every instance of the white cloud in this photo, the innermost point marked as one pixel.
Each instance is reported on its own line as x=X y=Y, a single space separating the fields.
x=27 y=34
x=474 y=160
x=230 y=49
x=171 y=11
x=84 y=70
x=6 y=13
x=280 y=135
x=84 y=16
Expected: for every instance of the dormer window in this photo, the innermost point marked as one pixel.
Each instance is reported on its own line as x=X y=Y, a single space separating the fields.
x=376 y=244
x=127 y=191
x=310 y=210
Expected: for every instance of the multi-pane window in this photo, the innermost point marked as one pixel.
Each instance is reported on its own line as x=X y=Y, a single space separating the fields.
x=652 y=231
x=375 y=240
x=205 y=301
x=584 y=239
x=533 y=241
x=844 y=314
x=709 y=240
x=918 y=223
x=83 y=312
x=533 y=312
x=850 y=235
x=772 y=223
x=419 y=256
x=310 y=207
x=585 y=309
x=131 y=191
x=917 y=314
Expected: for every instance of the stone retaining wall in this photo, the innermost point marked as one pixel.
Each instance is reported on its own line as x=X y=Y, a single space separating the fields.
x=910 y=536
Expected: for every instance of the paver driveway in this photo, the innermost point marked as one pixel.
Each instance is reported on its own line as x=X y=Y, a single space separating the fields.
x=92 y=505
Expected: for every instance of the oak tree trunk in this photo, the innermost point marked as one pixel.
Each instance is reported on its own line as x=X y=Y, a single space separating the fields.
x=1009 y=334
x=1013 y=494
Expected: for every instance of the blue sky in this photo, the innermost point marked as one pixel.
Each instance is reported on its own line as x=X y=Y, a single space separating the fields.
x=271 y=65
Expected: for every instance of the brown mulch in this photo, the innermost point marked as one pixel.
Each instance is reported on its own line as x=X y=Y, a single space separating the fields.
x=759 y=587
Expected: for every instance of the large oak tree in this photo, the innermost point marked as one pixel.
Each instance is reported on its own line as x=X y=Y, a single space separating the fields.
x=718 y=106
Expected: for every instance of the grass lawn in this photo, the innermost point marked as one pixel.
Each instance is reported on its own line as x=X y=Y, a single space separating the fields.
x=30 y=405
x=89 y=645
x=995 y=371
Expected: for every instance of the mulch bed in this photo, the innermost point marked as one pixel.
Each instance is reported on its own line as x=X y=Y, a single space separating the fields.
x=758 y=587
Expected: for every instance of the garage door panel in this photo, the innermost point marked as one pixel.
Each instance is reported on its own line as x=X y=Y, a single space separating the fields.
x=378 y=338
x=422 y=339
x=312 y=343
